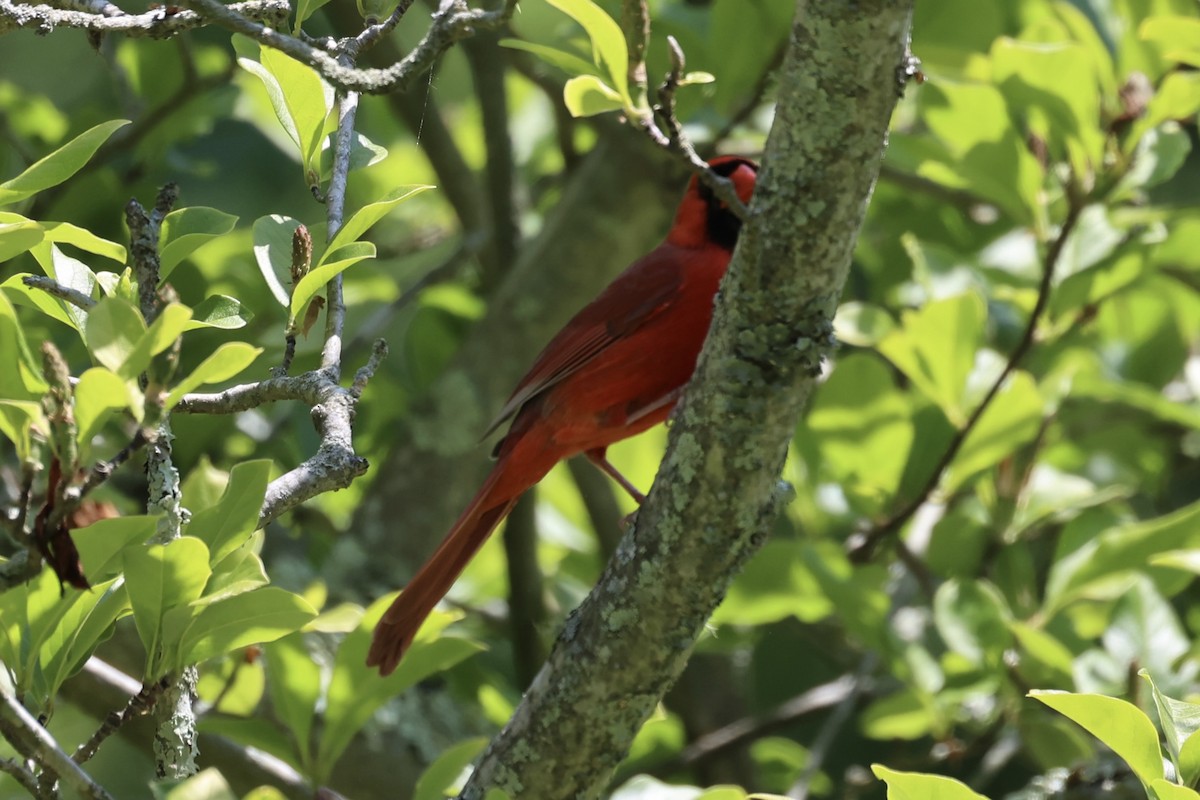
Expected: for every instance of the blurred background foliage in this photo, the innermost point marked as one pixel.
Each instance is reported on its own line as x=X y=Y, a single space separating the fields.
x=1059 y=551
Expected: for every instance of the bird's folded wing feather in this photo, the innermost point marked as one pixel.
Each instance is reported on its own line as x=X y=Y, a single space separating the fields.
x=655 y=279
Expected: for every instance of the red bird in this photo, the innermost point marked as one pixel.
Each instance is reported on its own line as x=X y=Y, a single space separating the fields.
x=615 y=370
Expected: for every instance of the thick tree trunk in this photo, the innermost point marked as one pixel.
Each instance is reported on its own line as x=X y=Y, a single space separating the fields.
x=718 y=489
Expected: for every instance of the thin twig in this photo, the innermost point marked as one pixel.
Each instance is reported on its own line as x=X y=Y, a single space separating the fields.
x=138 y=705
x=739 y=732
x=335 y=199
x=831 y=728
x=33 y=741
x=862 y=546
x=56 y=289
x=674 y=140
x=21 y=775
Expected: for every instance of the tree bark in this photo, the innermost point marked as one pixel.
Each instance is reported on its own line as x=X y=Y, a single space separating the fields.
x=718 y=489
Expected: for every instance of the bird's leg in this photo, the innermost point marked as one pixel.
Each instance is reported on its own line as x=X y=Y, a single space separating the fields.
x=598 y=456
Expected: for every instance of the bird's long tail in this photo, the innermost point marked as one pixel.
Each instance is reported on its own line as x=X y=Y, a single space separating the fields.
x=399 y=625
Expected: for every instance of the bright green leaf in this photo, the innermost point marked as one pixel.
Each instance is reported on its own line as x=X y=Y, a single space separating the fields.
x=294 y=681
x=973 y=618
x=99 y=392
x=186 y=229
x=338 y=262
x=1118 y=724
x=608 y=41
x=160 y=578
x=935 y=348
x=17 y=418
x=101 y=544
x=263 y=615
x=366 y=217
x=567 y=62
x=587 y=95
x=59 y=165
x=17 y=237
x=112 y=332
x=219 y=311
x=225 y=526
x=1010 y=422
x=273 y=252
x=919 y=786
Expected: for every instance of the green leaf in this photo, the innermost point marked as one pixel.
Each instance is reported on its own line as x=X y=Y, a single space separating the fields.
x=919 y=786
x=1177 y=38
x=99 y=392
x=1157 y=158
x=1121 y=726
x=355 y=692
x=186 y=229
x=81 y=630
x=17 y=237
x=101 y=544
x=1165 y=790
x=567 y=62
x=983 y=152
x=338 y=262
x=1011 y=421
x=443 y=775
x=20 y=375
x=862 y=324
x=608 y=42
x=59 y=165
x=1136 y=396
x=66 y=233
x=240 y=572
x=112 y=332
x=17 y=418
x=263 y=615
x=273 y=252
x=904 y=714
x=587 y=95
x=227 y=361
x=1044 y=660
x=219 y=311
x=1118 y=551
x=972 y=618
x=304 y=10
x=366 y=217
x=300 y=98
x=935 y=348
x=160 y=578
x=225 y=526
x=294 y=681
x=1179 y=722
x=207 y=784
x=862 y=425
x=1054 y=87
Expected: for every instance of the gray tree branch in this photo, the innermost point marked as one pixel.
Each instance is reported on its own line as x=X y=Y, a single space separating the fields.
x=717 y=490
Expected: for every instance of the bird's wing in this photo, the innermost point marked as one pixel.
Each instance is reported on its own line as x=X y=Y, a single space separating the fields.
x=654 y=279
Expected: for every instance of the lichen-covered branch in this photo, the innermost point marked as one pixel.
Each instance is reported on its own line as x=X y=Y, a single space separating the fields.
x=718 y=488
x=159 y=22
x=452 y=22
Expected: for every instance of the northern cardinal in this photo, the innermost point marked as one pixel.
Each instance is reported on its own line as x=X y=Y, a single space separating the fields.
x=616 y=369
